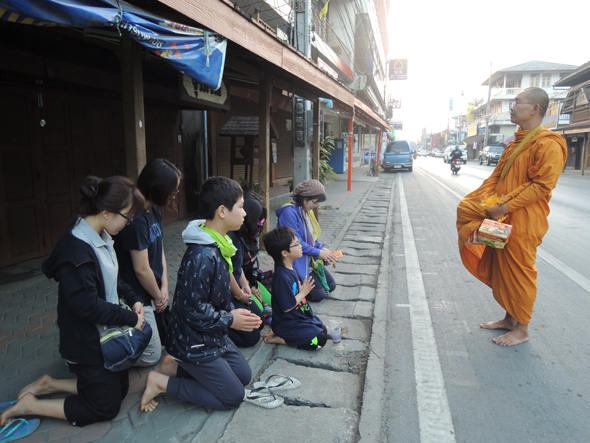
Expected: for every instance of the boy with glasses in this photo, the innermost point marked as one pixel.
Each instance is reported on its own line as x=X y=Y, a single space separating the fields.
x=293 y=320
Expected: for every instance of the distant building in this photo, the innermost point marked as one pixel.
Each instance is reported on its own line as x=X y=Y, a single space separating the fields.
x=506 y=85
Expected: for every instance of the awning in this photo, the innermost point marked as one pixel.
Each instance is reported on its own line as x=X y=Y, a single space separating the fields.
x=576 y=128
x=197 y=53
x=474 y=138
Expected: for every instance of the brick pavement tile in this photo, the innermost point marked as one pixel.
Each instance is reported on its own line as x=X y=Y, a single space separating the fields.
x=91 y=433
x=130 y=401
x=187 y=424
x=163 y=418
x=121 y=431
x=352 y=293
x=37 y=437
x=62 y=432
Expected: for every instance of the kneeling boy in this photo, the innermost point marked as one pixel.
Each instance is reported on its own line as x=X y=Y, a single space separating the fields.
x=293 y=321
x=204 y=366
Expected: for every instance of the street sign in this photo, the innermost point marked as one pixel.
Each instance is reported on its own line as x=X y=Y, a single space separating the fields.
x=451 y=104
x=398 y=126
x=396 y=103
x=398 y=69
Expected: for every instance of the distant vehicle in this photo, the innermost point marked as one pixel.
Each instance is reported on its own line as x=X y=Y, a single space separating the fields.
x=397 y=155
x=447 y=154
x=438 y=153
x=490 y=154
x=366 y=156
x=423 y=153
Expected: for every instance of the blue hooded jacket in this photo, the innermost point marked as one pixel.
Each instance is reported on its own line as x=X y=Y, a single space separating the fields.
x=201 y=310
x=294 y=217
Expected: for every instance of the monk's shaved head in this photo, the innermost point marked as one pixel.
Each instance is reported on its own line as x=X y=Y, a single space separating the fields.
x=539 y=97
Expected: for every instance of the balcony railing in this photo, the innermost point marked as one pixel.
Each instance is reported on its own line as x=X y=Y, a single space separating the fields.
x=507 y=91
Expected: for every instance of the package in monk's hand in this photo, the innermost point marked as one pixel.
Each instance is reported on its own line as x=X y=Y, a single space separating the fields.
x=491 y=233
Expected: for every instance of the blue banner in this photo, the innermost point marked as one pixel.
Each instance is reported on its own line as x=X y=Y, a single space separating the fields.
x=195 y=52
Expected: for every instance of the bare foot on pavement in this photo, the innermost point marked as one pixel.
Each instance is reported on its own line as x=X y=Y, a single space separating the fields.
x=156 y=385
x=518 y=335
x=39 y=387
x=271 y=338
x=20 y=409
x=508 y=324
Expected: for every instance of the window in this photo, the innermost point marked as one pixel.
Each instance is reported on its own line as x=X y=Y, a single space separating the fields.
x=400 y=147
x=546 y=83
x=535 y=80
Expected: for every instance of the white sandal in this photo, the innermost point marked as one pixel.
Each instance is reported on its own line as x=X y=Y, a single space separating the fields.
x=278 y=382
x=263 y=397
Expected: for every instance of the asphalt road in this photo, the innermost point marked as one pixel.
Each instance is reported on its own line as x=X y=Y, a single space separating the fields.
x=446 y=379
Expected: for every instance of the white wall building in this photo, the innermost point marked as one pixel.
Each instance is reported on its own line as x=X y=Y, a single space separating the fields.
x=507 y=84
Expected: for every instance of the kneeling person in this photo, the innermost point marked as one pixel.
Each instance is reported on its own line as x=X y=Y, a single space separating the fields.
x=293 y=320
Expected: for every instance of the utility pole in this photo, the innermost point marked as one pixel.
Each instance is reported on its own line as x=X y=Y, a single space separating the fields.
x=485 y=139
x=302 y=108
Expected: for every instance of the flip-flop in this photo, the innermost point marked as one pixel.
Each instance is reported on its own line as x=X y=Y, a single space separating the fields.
x=18 y=428
x=7 y=404
x=262 y=397
x=278 y=382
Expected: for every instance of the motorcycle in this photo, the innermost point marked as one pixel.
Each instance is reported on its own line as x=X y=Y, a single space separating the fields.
x=455 y=166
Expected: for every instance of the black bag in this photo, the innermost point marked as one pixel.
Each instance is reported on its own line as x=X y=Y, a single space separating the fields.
x=163 y=320
x=122 y=345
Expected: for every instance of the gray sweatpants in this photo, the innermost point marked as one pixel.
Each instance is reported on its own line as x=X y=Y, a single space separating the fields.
x=218 y=384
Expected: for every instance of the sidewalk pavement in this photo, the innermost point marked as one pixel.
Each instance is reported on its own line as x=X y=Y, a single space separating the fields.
x=329 y=404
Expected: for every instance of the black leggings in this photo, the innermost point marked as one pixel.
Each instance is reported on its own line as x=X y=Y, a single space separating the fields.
x=318 y=293
x=318 y=342
x=100 y=393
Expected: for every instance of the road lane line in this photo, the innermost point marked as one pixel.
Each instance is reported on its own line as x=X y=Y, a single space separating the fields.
x=434 y=414
x=573 y=275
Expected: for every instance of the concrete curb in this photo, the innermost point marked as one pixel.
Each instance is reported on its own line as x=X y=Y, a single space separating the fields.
x=336 y=243
x=371 y=417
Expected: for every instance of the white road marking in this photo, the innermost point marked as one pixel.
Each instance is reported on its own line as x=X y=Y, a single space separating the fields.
x=434 y=414
x=575 y=276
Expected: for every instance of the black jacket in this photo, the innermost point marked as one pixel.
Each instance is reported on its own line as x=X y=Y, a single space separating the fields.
x=82 y=301
x=201 y=310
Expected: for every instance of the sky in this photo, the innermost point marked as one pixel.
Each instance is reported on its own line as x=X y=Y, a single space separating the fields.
x=450 y=45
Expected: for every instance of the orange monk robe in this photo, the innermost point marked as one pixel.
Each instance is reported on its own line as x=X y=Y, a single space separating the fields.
x=511 y=272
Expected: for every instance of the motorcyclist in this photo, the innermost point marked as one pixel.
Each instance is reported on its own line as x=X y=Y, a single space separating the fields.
x=456 y=153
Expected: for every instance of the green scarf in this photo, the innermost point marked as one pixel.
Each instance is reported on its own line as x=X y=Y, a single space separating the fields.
x=226 y=246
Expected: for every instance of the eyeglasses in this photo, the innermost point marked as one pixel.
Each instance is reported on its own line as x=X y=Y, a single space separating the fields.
x=129 y=220
x=519 y=103
x=295 y=245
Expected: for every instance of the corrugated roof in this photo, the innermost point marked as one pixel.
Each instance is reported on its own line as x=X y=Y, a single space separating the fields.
x=532 y=66
x=536 y=65
x=580 y=75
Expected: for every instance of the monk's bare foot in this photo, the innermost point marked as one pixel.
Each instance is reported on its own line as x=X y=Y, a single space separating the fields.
x=271 y=338
x=20 y=409
x=38 y=387
x=507 y=323
x=168 y=367
x=518 y=335
x=156 y=385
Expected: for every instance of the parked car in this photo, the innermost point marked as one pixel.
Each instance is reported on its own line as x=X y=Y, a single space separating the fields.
x=490 y=154
x=397 y=155
x=447 y=154
x=366 y=156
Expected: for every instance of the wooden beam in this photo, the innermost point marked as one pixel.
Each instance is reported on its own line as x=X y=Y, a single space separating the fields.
x=220 y=17
x=133 y=109
x=264 y=94
x=244 y=68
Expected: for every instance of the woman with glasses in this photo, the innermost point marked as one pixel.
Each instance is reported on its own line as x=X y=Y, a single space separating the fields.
x=299 y=216
x=140 y=248
x=85 y=265
x=248 y=294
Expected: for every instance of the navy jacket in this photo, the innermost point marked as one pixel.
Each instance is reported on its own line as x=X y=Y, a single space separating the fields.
x=81 y=303
x=201 y=310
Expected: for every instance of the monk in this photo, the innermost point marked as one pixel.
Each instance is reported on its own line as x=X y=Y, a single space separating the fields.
x=525 y=191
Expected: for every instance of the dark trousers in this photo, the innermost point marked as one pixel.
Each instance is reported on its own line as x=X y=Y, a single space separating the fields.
x=100 y=393
x=217 y=384
x=246 y=339
x=318 y=293
x=318 y=342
